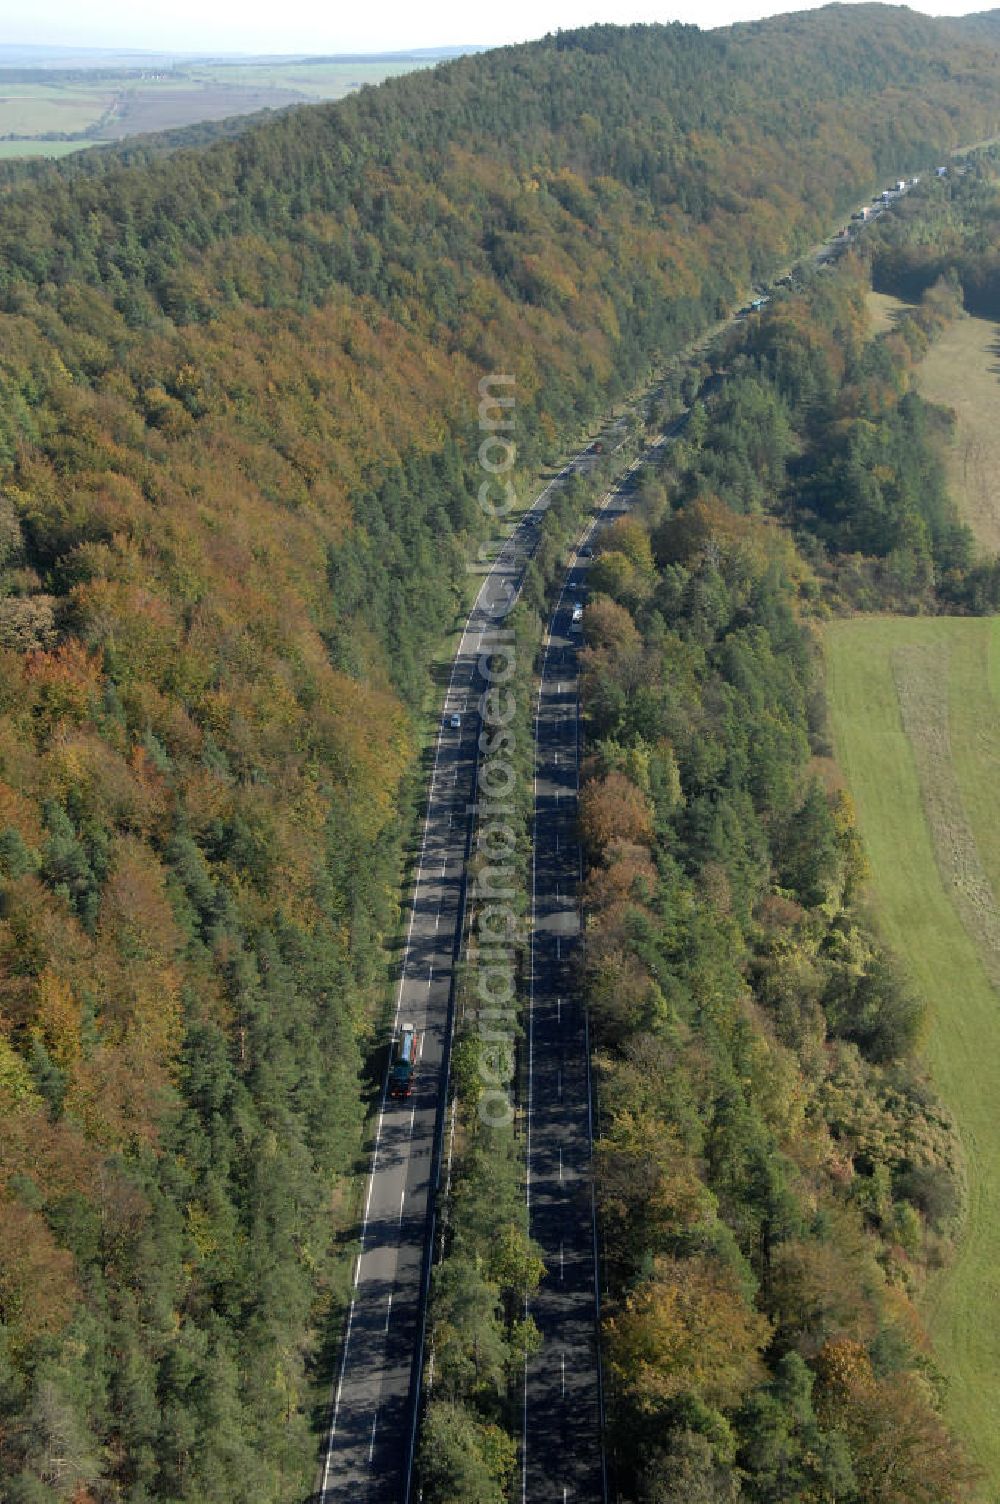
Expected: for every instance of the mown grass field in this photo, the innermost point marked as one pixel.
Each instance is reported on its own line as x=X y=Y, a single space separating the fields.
x=915 y=705
x=962 y=371
x=884 y=309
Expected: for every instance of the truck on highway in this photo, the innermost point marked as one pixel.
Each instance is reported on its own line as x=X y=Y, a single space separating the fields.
x=404 y=1065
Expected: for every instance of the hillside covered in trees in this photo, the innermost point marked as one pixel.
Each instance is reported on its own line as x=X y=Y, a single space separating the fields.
x=237 y=487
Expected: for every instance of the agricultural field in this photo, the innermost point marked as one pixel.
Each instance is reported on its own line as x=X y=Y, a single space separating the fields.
x=16 y=150
x=915 y=705
x=161 y=107
x=49 y=109
x=309 y=79
x=37 y=112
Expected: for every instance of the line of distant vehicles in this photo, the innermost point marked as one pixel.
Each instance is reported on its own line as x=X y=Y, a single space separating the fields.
x=882 y=200
x=865 y=215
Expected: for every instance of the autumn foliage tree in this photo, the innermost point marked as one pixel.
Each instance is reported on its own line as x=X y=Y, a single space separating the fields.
x=613 y=808
x=687 y=1331
x=902 y=1452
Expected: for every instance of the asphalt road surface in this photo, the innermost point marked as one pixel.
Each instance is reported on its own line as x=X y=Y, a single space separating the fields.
x=369 y=1452
x=562 y=1452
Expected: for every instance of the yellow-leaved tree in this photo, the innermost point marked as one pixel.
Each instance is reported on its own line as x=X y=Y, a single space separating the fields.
x=687 y=1330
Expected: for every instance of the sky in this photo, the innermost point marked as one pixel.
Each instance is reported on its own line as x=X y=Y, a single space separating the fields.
x=311 y=26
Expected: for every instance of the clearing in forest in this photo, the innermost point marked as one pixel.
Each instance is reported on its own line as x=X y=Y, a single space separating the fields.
x=884 y=309
x=915 y=704
x=961 y=370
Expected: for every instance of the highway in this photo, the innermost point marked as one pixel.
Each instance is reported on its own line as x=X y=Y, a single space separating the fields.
x=369 y=1451
x=562 y=1448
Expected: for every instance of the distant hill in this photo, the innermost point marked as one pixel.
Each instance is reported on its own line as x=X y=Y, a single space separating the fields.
x=40 y=55
x=238 y=481
x=25 y=55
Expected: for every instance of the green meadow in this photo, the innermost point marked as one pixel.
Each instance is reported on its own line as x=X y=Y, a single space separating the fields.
x=915 y=704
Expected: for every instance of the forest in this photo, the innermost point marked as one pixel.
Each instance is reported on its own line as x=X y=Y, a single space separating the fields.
x=237 y=491
x=776 y=1177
